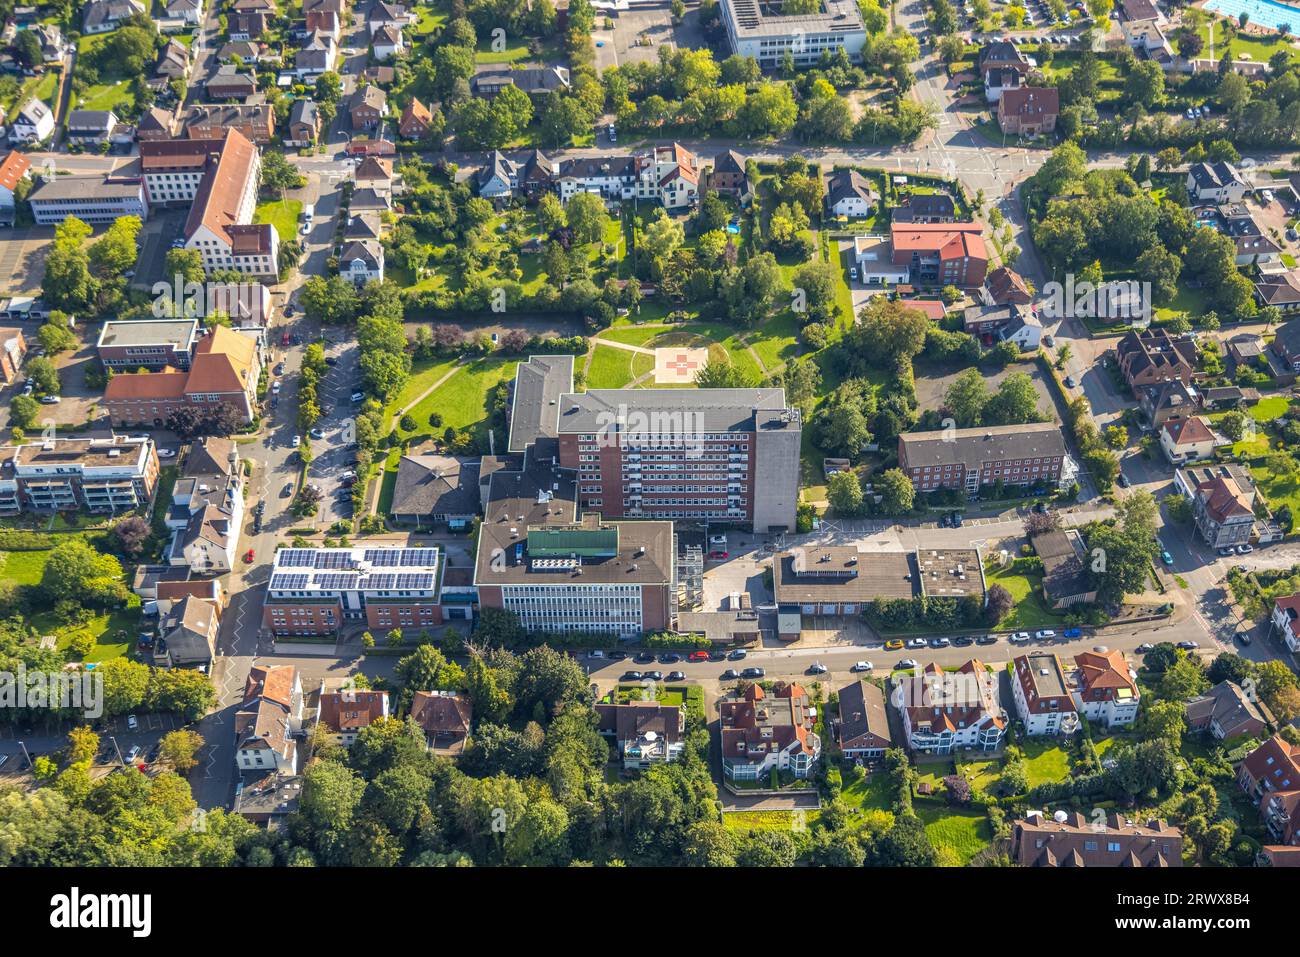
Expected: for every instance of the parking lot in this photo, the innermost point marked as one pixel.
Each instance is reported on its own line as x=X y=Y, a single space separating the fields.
x=637 y=35
x=334 y=450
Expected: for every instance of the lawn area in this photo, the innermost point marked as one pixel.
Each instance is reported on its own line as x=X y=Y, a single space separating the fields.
x=41 y=87
x=631 y=335
x=965 y=833
x=1045 y=761
x=1269 y=408
x=282 y=214
x=23 y=568
x=462 y=399
x=610 y=368
x=776 y=341
x=765 y=820
x=672 y=697
x=1030 y=610
x=1277 y=491
x=424 y=373
x=113 y=632
x=1243 y=47
x=514 y=50
x=1190 y=301
x=870 y=794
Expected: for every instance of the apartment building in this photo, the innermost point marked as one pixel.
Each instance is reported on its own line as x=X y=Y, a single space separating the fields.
x=313 y=591
x=1042 y=695
x=1104 y=688
x=253 y=121
x=947 y=711
x=765 y=731
x=1286 y=613
x=1270 y=776
x=722 y=454
x=173 y=170
x=345 y=712
x=220 y=225
x=1223 y=503
x=225 y=368
x=940 y=254
x=92 y=199
x=114 y=474
x=863 y=725
x=667 y=174
x=207 y=508
x=1071 y=839
x=1152 y=356
x=147 y=344
x=643 y=733
x=762 y=31
x=1025 y=455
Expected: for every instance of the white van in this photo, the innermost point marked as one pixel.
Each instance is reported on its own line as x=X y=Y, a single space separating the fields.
x=307 y=212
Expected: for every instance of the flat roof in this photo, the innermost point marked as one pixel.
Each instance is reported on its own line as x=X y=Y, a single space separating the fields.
x=662 y=412
x=85 y=188
x=176 y=333
x=756 y=18
x=950 y=572
x=842 y=574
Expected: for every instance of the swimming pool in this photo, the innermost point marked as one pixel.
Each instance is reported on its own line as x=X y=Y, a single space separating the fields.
x=1264 y=13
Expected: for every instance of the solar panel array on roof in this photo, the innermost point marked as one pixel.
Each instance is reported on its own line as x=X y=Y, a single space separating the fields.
x=343 y=580
x=380 y=581
x=334 y=559
x=423 y=557
x=296 y=557
x=288 y=581
x=415 y=581
x=383 y=557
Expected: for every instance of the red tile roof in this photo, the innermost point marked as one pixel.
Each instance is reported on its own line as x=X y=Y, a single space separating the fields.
x=14 y=167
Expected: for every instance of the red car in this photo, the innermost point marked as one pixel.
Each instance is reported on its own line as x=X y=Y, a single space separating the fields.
x=719 y=556
x=248 y=556
x=284 y=338
x=698 y=656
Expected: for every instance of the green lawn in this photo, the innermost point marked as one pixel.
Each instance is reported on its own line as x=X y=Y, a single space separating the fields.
x=765 y=820
x=610 y=368
x=1045 y=761
x=23 y=568
x=1244 y=47
x=1190 y=301
x=462 y=399
x=282 y=214
x=630 y=335
x=1030 y=610
x=113 y=632
x=41 y=87
x=964 y=833
x=1269 y=408
x=1277 y=492
x=872 y=793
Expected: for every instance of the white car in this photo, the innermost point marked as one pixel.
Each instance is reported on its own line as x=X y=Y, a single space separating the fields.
x=166 y=453
x=862 y=666
x=50 y=400
x=276 y=388
x=297 y=441
x=1019 y=636
x=918 y=643
x=1045 y=634
x=817 y=668
x=133 y=754
x=131 y=722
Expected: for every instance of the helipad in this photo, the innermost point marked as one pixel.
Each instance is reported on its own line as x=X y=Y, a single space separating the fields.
x=675 y=365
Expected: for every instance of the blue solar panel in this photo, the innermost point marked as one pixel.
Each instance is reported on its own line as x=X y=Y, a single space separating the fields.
x=288 y=581
x=334 y=559
x=420 y=557
x=385 y=557
x=380 y=581
x=335 y=580
x=296 y=557
x=415 y=581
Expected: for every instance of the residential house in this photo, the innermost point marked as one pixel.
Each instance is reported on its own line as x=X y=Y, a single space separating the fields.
x=728 y=176
x=1042 y=695
x=1004 y=286
x=1008 y=323
x=1222 y=505
x=1281 y=290
x=1270 y=776
x=317 y=56
x=1104 y=688
x=1172 y=399
x=304 y=123
x=1217 y=183
x=367 y=107
x=53 y=45
x=1187 y=439
x=187 y=632
x=379 y=75
x=390 y=15
x=1152 y=356
x=101 y=16
x=375 y=172
x=873 y=258
x=1286 y=612
x=498 y=177
x=247 y=26
x=156 y=123
x=14 y=168
x=229 y=84
x=386 y=43
x=1281 y=814
x=436 y=489
x=445 y=717
x=1029 y=110
x=362 y=262
x=1071 y=839
x=190 y=11
x=1245 y=350
x=173 y=62
x=863 y=725
x=348 y=711
x=947 y=711
x=644 y=733
x=363 y=226
x=1254 y=247
x=254 y=121
x=925 y=208
x=207 y=508
x=1066 y=580
x=415 y=121
x=537 y=81
x=849 y=194
x=535 y=174
x=267 y=719
x=766 y=731
x=90 y=127
x=33 y=123
x=1286 y=348
x=1002 y=66
x=1227 y=711
x=323 y=21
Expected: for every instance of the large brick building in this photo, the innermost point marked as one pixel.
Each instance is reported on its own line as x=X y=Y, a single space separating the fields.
x=147 y=344
x=1026 y=455
x=723 y=454
x=314 y=591
x=220 y=224
x=940 y=254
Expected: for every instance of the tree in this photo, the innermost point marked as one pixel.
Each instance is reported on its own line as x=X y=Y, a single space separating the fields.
x=75 y=570
x=896 y=491
x=889 y=332
x=1138 y=515
x=1164 y=720
x=844 y=493
x=722 y=375
x=1178 y=507
x=68 y=284
x=278 y=174
x=966 y=398
x=1000 y=603
x=1229 y=667
x=1014 y=403
x=183 y=266
x=55 y=335
x=179 y=749
x=83 y=745
x=131 y=533
x=550 y=213
x=43 y=375
x=1184 y=679
x=1117 y=564
x=329 y=87
x=116 y=250
x=23 y=410
x=587 y=218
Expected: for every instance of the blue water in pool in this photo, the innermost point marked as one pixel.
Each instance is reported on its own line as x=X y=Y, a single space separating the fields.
x=1264 y=13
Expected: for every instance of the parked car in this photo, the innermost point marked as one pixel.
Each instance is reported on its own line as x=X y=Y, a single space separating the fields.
x=753 y=673
x=676 y=676
x=653 y=676
x=862 y=666
x=963 y=641
x=917 y=643
x=669 y=657
x=1045 y=635
x=1245 y=549
x=133 y=754
x=316 y=434
x=1166 y=558
x=1018 y=637
x=906 y=664
x=1243 y=637
x=698 y=656
x=166 y=453
x=817 y=668
x=248 y=557
x=939 y=642
x=644 y=658
x=1072 y=633
x=297 y=441
x=729 y=675
x=956 y=519
x=287 y=490
x=596 y=654
x=1143 y=648
x=986 y=640
x=631 y=676
x=1187 y=645
x=132 y=722
x=737 y=654
x=50 y=400
x=358 y=397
